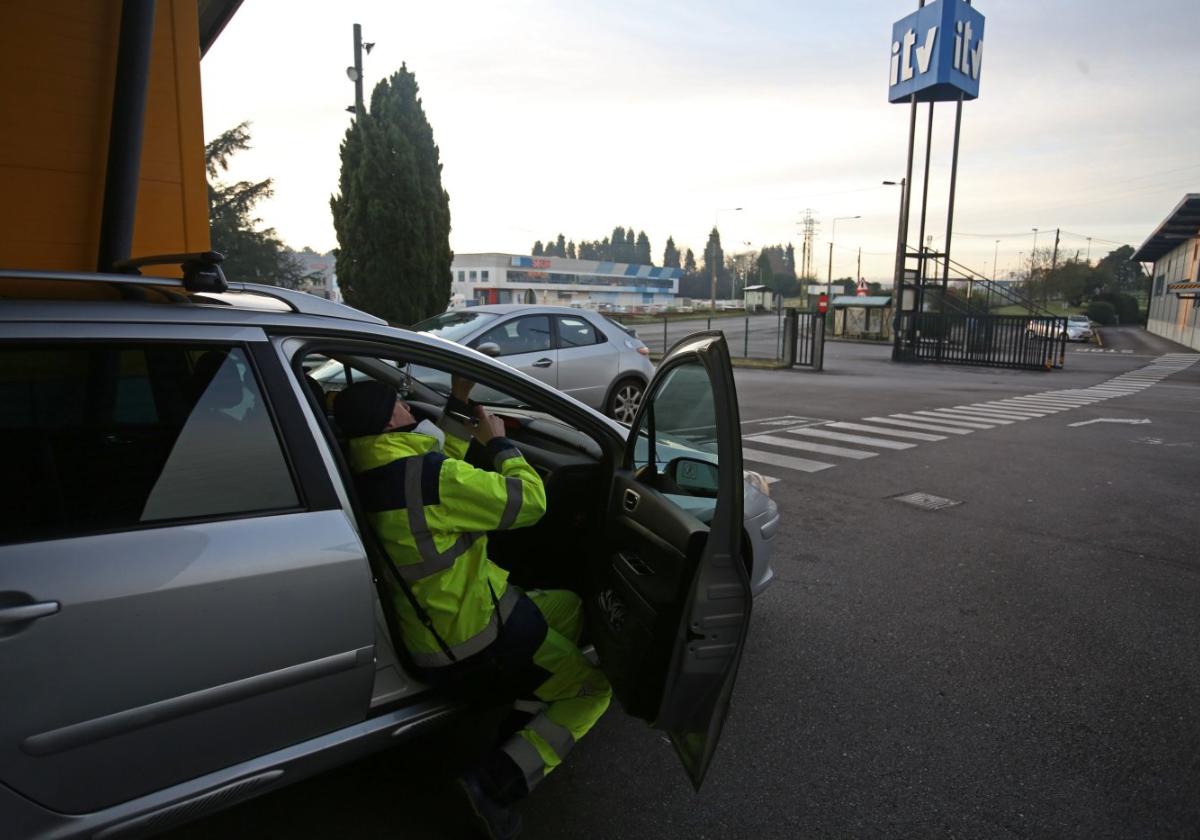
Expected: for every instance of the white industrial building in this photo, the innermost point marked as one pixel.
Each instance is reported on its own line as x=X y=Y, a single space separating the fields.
x=1174 y=249
x=591 y=284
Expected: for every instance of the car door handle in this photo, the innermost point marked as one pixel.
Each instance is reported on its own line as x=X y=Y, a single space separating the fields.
x=543 y=363
x=28 y=612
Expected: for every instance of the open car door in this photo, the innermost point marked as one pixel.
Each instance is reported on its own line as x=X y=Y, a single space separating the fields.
x=668 y=590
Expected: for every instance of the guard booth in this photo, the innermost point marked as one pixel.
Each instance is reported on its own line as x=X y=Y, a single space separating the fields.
x=863 y=316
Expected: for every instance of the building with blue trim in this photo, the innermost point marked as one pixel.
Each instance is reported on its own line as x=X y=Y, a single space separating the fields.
x=589 y=284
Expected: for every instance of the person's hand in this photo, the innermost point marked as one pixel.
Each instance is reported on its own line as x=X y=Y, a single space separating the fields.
x=487 y=426
x=460 y=387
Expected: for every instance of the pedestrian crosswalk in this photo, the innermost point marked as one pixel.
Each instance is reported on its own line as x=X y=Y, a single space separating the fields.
x=809 y=445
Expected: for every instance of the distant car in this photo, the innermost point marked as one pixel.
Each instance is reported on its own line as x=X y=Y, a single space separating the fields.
x=1079 y=328
x=595 y=360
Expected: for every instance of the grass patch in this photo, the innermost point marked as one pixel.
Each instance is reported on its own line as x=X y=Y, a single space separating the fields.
x=698 y=315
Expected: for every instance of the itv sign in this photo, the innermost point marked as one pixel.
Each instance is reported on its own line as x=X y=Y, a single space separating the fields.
x=937 y=53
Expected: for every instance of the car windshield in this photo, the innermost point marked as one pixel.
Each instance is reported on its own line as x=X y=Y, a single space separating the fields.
x=1077 y=319
x=452 y=326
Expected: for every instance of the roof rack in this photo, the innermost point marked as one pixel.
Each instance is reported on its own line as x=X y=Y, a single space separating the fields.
x=299 y=302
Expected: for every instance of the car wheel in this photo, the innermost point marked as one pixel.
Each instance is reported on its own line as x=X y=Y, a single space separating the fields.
x=624 y=400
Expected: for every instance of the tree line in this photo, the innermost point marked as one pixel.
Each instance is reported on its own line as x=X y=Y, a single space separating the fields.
x=772 y=265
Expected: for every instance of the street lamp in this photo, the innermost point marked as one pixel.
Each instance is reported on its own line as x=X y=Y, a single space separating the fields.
x=995 y=254
x=712 y=258
x=832 y=237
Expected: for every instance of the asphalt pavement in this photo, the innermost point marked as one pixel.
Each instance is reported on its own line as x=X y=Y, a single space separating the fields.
x=1020 y=663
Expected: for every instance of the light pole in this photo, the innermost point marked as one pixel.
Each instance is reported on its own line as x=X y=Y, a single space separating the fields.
x=1089 y=256
x=995 y=256
x=355 y=73
x=832 y=237
x=712 y=258
x=901 y=240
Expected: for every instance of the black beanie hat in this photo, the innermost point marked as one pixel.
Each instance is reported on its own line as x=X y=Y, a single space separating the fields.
x=364 y=408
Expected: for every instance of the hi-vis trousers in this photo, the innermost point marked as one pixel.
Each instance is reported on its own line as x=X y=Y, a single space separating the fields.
x=557 y=695
x=570 y=695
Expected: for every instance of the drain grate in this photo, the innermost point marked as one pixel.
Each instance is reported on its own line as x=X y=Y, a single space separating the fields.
x=927 y=501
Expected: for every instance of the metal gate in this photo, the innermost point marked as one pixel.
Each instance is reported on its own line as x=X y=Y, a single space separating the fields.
x=807 y=338
x=1008 y=341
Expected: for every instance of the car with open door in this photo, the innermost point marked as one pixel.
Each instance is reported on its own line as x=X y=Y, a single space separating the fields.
x=190 y=590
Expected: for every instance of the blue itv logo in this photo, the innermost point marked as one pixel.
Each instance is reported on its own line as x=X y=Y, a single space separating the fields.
x=937 y=53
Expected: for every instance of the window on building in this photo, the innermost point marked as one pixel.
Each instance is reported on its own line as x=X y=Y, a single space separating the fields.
x=1158 y=285
x=574 y=331
x=483 y=275
x=462 y=275
x=111 y=437
x=530 y=334
x=474 y=275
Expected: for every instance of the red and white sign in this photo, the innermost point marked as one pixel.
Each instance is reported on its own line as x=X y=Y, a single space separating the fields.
x=862 y=288
x=823 y=303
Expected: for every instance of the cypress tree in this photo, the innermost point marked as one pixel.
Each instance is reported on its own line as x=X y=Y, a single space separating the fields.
x=642 y=249
x=671 y=254
x=392 y=215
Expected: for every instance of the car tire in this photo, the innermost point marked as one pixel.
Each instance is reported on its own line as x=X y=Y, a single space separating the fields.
x=624 y=399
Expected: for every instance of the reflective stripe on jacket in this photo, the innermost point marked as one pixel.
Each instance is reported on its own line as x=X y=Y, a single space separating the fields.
x=432 y=511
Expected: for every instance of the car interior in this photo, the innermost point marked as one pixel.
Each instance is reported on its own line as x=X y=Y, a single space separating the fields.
x=631 y=553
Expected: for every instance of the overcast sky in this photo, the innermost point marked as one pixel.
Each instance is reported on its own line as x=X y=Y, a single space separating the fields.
x=577 y=116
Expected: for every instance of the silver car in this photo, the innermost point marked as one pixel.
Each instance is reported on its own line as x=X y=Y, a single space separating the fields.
x=597 y=361
x=192 y=601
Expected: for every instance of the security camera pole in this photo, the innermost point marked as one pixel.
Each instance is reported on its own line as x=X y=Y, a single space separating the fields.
x=357 y=77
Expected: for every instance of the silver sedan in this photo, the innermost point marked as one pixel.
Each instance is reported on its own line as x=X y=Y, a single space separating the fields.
x=595 y=360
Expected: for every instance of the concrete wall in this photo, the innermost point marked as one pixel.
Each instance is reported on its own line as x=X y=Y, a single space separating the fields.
x=57 y=65
x=1171 y=317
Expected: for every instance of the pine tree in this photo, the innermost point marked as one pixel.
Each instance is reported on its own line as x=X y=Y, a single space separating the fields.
x=252 y=254
x=571 y=250
x=538 y=250
x=629 y=252
x=642 y=253
x=560 y=246
x=670 y=254
x=392 y=215
x=616 y=245
x=714 y=255
x=689 y=262
x=789 y=260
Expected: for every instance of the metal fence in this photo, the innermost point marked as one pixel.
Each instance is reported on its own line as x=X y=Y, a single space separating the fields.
x=1007 y=341
x=763 y=336
x=758 y=336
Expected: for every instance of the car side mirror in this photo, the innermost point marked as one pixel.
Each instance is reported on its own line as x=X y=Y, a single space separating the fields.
x=694 y=476
x=489 y=348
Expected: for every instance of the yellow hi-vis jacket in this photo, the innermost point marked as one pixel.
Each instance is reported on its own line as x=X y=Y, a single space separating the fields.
x=432 y=511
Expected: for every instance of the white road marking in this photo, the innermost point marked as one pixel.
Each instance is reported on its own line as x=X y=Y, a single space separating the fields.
x=954 y=414
x=1013 y=409
x=985 y=411
x=961 y=424
x=775 y=460
x=859 y=427
x=819 y=448
x=1110 y=420
x=929 y=427
x=828 y=435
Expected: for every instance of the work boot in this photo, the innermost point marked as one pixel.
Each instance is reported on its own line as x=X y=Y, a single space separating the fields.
x=496 y=821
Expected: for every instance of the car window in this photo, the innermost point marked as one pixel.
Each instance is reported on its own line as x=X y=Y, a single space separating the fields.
x=453 y=326
x=574 y=331
x=530 y=334
x=678 y=432
x=107 y=437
